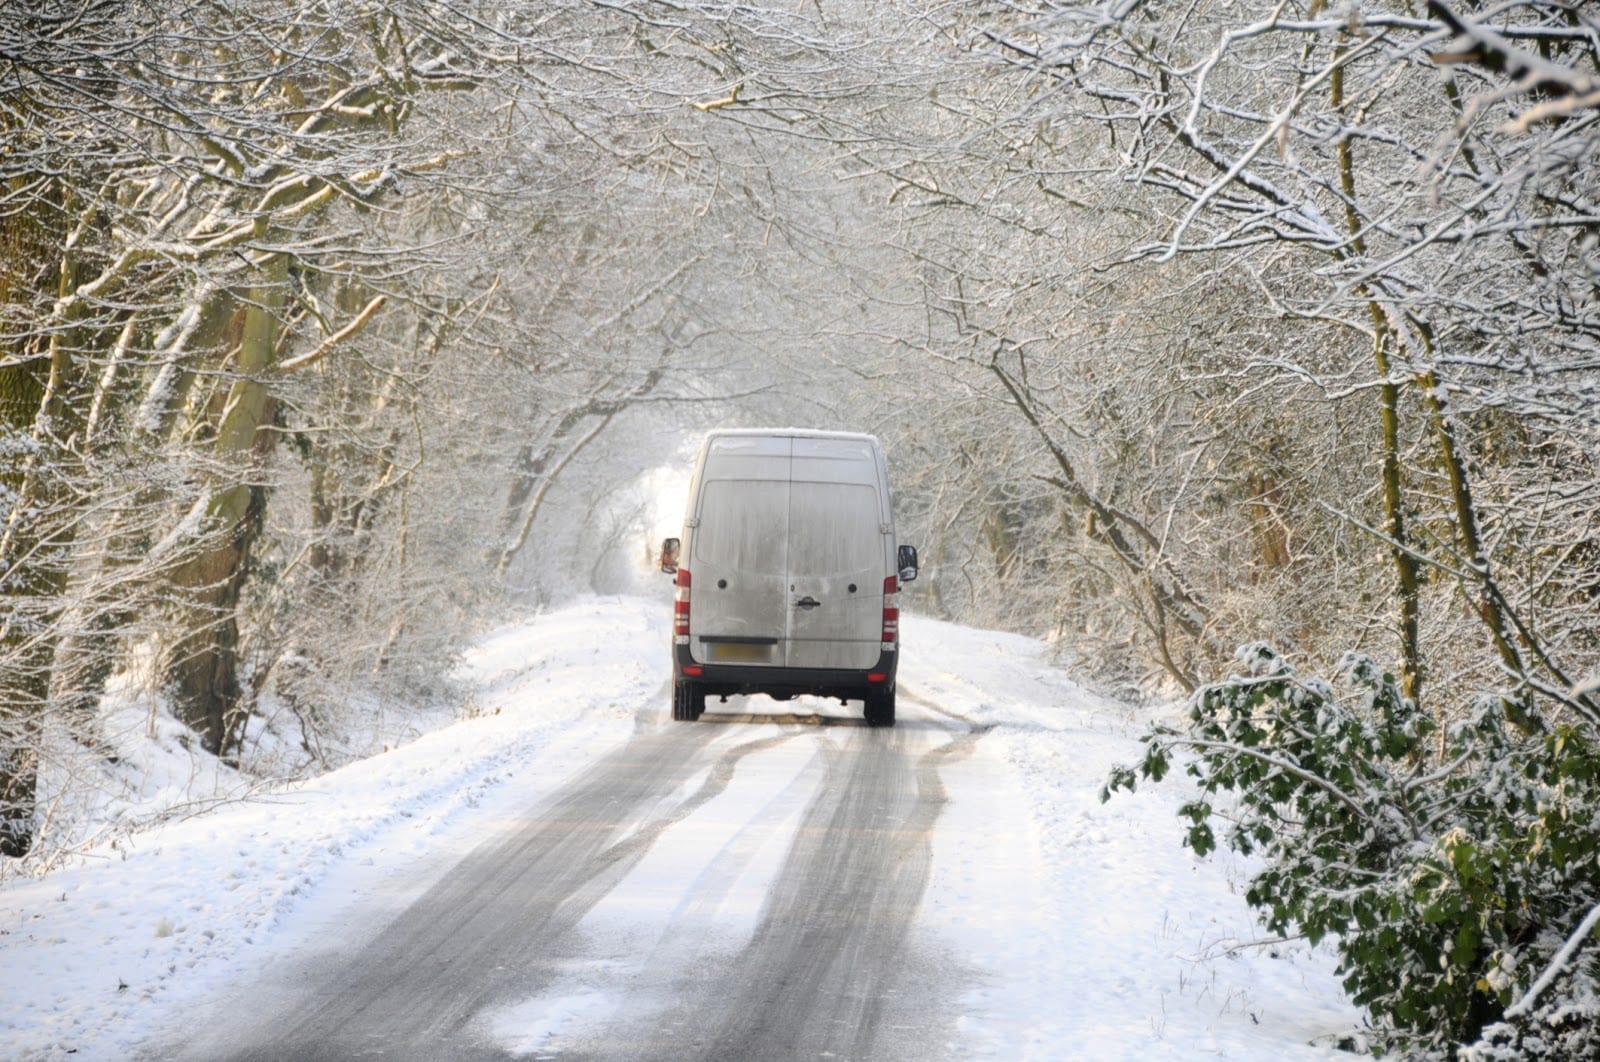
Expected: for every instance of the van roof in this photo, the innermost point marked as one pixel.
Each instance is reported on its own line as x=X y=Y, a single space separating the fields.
x=791 y=433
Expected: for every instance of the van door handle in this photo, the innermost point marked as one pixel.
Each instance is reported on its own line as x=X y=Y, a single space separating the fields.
x=807 y=602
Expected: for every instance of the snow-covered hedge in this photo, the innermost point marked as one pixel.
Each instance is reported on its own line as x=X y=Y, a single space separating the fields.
x=1454 y=867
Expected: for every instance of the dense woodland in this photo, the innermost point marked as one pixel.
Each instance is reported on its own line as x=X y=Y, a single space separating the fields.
x=331 y=332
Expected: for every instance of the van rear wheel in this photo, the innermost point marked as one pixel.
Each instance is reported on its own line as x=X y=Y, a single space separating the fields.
x=688 y=701
x=880 y=707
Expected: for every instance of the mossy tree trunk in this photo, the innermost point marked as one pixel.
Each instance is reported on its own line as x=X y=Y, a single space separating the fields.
x=203 y=668
x=41 y=377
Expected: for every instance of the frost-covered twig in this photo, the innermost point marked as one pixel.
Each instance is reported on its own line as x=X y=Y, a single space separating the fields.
x=1565 y=90
x=1557 y=965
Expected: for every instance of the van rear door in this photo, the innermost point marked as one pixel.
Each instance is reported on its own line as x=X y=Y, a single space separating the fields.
x=837 y=536
x=740 y=540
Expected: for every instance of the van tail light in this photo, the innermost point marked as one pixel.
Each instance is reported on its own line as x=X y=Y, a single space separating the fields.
x=891 y=613
x=680 y=609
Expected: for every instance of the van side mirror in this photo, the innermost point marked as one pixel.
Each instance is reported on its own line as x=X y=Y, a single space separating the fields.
x=907 y=563
x=669 y=555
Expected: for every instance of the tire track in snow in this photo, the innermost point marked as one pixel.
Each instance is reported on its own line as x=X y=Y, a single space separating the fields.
x=413 y=990
x=921 y=701
x=832 y=970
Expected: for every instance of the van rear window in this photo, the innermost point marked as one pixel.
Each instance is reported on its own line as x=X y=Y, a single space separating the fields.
x=834 y=530
x=771 y=527
x=744 y=526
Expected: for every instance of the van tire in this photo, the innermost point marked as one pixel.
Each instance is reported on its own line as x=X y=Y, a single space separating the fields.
x=688 y=701
x=880 y=707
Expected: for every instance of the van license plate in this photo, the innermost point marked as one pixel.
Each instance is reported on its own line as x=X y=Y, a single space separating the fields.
x=737 y=653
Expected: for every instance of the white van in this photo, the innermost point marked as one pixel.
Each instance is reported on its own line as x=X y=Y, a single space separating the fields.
x=788 y=572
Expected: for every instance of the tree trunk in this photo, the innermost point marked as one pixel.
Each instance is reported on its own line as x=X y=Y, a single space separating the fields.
x=531 y=512
x=1002 y=531
x=536 y=475
x=1491 y=604
x=122 y=579
x=203 y=670
x=39 y=403
x=1407 y=573
x=38 y=395
x=25 y=673
x=1263 y=509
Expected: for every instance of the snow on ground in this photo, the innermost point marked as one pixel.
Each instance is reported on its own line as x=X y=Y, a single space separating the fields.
x=1107 y=940
x=95 y=955
x=1128 y=947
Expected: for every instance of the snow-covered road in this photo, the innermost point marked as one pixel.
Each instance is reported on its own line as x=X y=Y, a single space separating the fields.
x=569 y=874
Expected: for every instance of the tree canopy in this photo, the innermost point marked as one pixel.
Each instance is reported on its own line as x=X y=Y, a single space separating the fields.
x=324 y=327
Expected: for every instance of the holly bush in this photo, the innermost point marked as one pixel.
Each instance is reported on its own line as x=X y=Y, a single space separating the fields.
x=1448 y=866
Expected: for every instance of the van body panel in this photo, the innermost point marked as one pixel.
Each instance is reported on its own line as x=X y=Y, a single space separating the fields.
x=834 y=564
x=789 y=536
x=739 y=557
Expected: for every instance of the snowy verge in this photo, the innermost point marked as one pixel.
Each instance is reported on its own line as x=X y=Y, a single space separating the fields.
x=1093 y=933
x=101 y=950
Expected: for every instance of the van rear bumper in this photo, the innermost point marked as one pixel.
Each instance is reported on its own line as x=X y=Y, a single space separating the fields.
x=721 y=680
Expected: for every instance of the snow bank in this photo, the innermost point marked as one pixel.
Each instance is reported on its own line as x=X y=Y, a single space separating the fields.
x=1109 y=940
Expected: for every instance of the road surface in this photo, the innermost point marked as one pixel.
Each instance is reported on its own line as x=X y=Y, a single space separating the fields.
x=740 y=888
